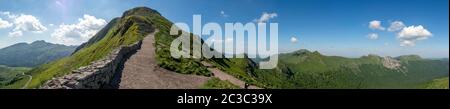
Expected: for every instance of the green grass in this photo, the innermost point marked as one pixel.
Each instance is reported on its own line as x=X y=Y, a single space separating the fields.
x=18 y=83
x=216 y=83
x=312 y=70
x=132 y=27
x=11 y=77
x=236 y=67
x=128 y=30
x=441 y=83
x=164 y=58
x=295 y=70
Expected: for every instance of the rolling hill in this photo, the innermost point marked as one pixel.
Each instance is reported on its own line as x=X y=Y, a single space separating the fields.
x=305 y=69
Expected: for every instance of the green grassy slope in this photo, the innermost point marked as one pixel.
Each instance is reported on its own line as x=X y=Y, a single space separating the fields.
x=163 y=56
x=133 y=26
x=301 y=69
x=216 y=83
x=11 y=77
x=304 y=69
x=440 y=83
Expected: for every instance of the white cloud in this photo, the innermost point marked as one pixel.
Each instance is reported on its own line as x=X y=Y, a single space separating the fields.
x=294 y=39
x=28 y=23
x=75 y=34
x=15 y=34
x=8 y=14
x=266 y=17
x=396 y=26
x=372 y=36
x=409 y=35
x=222 y=13
x=376 y=25
x=22 y=23
x=4 y=24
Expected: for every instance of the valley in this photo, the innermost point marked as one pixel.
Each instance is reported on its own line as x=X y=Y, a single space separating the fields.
x=13 y=77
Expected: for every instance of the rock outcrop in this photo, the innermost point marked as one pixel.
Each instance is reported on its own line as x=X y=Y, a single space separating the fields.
x=97 y=74
x=391 y=63
x=394 y=64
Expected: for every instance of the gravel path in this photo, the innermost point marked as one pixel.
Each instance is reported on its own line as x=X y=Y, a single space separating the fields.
x=225 y=76
x=142 y=72
x=28 y=82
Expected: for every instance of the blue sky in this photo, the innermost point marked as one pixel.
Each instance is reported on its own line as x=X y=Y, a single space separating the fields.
x=332 y=27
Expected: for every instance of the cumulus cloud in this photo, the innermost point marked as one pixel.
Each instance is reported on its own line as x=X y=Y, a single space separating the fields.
x=28 y=23
x=376 y=25
x=22 y=23
x=406 y=35
x=396 y=26
x=372 y=36
x=266 y=17
x=222 y=13
x=75 y=34
x=15 y=34
x=4 y=24
x=294 y=39
x=409 y=35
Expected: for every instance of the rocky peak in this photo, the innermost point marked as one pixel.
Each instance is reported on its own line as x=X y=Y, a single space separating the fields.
x=391 y=63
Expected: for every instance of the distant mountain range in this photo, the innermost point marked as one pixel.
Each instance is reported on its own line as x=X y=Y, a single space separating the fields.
x=299 y=69
x=305 y=69
x=33 y=54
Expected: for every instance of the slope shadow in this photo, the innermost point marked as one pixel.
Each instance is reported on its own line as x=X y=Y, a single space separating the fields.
x=117 y=77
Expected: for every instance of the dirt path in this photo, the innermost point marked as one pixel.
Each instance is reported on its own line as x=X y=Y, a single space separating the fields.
x=142 y=72
x=224 y=76
x=28 y=82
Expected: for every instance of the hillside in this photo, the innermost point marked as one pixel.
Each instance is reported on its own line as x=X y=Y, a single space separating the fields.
x=305 y=69
x=440 y=83
x=33 y=54
x=10 y=75
x=300 y=69
x=131 y=27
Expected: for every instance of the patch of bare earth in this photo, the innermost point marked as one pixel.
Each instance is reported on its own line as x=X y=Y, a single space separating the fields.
x=227 y=77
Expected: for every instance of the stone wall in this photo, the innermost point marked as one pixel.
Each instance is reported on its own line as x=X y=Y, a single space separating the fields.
x=97 y=74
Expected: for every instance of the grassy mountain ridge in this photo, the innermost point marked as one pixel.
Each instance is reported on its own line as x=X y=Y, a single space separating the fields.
x=131 y=27
x=304 y=69
x=100 y=34
x=300 y=69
